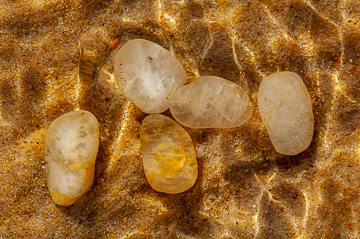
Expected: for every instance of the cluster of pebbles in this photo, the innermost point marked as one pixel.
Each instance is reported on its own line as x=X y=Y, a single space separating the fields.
x=154 y=80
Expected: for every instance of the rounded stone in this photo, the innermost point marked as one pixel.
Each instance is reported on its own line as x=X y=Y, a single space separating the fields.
x=168 y=155
x=147 y=74
x=210 y=102
x=285 y=107
x=71 y=147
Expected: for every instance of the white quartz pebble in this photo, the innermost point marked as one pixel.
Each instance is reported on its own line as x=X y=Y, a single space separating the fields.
x=210 y=102
x=147 y=74
x=286 y=109
x=71 y=147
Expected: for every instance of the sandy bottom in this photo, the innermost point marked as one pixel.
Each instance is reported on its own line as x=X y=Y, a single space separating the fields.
x=56 y=56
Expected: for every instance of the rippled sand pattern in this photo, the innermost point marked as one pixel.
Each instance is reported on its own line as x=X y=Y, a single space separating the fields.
x=55 y=56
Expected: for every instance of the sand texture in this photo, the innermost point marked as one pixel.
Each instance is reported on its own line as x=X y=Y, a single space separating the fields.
x=57 y=56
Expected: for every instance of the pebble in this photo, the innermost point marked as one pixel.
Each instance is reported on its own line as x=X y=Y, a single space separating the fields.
x=71 y=147
x=169 y=158
x=147 y=74
x=211 y=102
x=285 y=107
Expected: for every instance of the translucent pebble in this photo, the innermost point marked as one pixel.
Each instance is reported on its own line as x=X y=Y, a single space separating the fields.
x=147 y=74
x=71 y=147
x=93 y=46
x=168 y=155
x=210 y=102
x=286 y=109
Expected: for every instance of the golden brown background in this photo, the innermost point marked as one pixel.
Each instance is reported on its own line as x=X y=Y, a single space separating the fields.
x=55 y=56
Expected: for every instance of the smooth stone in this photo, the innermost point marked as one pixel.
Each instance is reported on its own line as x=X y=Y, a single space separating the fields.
x=286 y=109
x=210 y=102
x=71 y=146
x=168 y=155
x=93 y=46
x=147 y=74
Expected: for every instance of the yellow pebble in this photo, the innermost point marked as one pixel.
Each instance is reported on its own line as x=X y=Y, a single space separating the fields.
x=168 y=155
